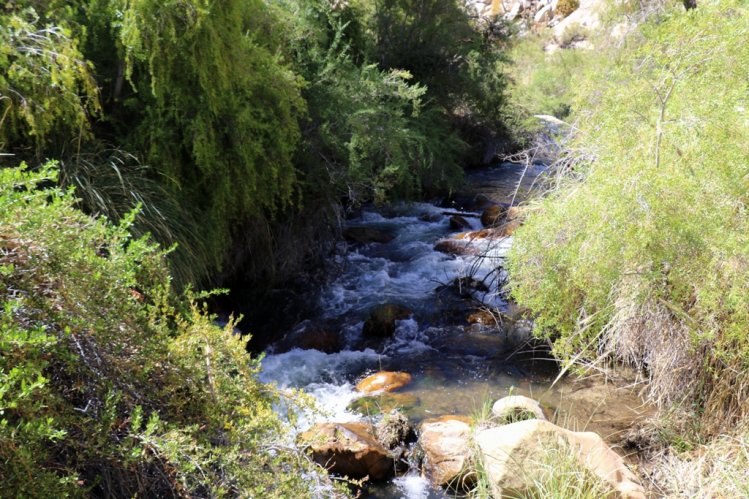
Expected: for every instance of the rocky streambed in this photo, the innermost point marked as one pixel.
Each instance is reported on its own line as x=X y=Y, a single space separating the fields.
x=414 y=336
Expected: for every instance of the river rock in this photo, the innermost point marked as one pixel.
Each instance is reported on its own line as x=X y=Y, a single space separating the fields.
x=381 y=320
x=445 y=443
x=483 y=317
x=452 y=247
x=517 y=408
x=348 y=449
x=459 y=223
x=513 y=454
x=309 y=336
x=367 y=235
x=493 y=215
x=383 y=381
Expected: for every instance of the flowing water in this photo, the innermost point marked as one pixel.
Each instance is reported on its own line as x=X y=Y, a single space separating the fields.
x=456 y=366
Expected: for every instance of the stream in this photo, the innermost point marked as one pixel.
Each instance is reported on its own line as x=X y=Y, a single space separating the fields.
x=456 y=366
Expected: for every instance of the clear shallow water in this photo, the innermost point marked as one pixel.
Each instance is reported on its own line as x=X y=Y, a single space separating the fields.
x=456 y=367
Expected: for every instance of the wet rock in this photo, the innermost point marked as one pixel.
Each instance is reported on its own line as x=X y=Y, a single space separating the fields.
x=383 y=381
x=381 y=320
x=513 y=454
x=459 y=223
x=516 y=408
x=445 y=444
x=367 y=235
x=430 y=217
x=348 y=449
x=493 y=216
x=311 y=336
x=383 y=403
x=452 y=247
x=502 y=231
x=482 y=317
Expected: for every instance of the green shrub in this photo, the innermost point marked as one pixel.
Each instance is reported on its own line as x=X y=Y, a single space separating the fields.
x=645 y=259
x=110 y=385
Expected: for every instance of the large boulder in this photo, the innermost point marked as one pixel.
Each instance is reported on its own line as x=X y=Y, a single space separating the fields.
x=445 y=444
x=383 y=381
x=367 y=235
x=513 y=455
x=348 y=449
x=517 y=408
x=381 y=320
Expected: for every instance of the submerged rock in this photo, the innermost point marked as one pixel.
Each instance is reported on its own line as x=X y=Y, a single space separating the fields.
x=383 y=381
x=513 y=455
x=367 y=235
x=385 y=402
x=517 y=408
x=381 y=320
x=349 y=449
x=445 y=444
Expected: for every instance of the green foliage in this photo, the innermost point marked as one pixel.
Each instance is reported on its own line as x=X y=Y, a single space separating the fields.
x=646 y=258
x=47 y=91
x=111 y=385
x=222 y=109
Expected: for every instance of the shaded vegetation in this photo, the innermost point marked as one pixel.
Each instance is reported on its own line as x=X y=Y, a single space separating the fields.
x=110 y=385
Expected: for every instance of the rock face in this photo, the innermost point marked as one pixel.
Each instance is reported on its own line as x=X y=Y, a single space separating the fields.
x=517 y=408
x=381 y=320
x=348 y=449
x=512 y=453
x=446 y=451
x=367 y=235
x=383 y=381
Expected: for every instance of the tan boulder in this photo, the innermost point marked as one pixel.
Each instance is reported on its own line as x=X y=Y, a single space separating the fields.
x=348 y=449
x=445 y=442
x=513 y=454
x=383 y=381
x=517 y=408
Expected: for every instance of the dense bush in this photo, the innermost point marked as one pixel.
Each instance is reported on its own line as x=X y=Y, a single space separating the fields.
x=109 y=384
x=225 y=117
x=646 y=258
